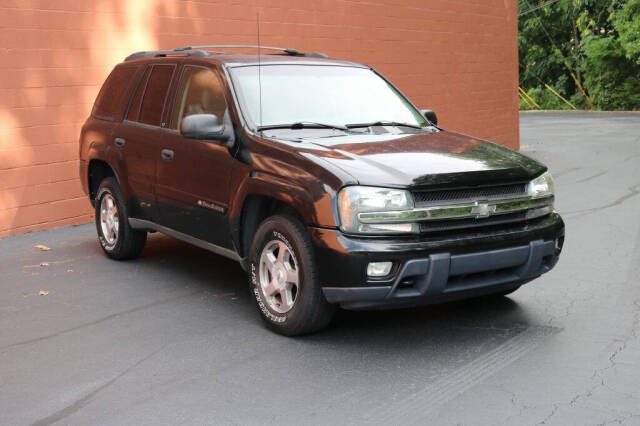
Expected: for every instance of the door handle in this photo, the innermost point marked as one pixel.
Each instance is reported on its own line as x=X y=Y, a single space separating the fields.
x=166 y=154
x=119 y=142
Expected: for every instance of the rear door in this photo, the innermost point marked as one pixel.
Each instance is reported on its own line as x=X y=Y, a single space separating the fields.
x=139 y=137
x=193 y=184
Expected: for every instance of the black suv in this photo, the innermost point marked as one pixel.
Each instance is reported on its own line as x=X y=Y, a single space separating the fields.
x=319 y=176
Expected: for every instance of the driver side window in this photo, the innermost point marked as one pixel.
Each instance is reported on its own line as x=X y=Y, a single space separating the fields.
x=200 y=92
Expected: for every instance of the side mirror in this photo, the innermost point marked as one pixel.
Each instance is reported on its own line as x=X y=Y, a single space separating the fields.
x=204 y=127
x=430 y=115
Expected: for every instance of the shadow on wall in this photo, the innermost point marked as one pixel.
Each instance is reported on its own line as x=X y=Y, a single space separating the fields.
x=52 y=68
x=55 y=57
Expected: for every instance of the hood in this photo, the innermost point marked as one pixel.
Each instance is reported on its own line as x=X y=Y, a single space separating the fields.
x=438 y=159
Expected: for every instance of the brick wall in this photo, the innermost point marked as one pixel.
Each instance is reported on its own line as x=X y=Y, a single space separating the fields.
x=458 y=57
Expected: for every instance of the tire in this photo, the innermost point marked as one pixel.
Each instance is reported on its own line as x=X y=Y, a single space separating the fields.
x=125 y=242
x=287 y=309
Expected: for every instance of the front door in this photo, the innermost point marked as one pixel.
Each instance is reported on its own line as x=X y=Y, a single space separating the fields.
x=192 y=182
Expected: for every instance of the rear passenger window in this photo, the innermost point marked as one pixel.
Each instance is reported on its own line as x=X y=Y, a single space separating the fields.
x=155 y=94
x=111 y=96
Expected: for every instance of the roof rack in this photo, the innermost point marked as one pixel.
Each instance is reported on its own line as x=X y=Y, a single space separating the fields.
x=163 y=53
x=286 y=50
x=198 y=51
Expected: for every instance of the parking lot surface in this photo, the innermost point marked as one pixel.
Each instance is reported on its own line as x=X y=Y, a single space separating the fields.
x=174 y=338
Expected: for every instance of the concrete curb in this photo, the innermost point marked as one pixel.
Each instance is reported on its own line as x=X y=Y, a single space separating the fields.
x=580 y=111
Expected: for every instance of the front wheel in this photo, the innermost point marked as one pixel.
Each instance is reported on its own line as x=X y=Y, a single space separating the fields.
x=117 y=238
x=284 y=280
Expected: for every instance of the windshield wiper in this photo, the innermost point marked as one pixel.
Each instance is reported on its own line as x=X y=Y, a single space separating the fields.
x=304 y=125
x=383 y=123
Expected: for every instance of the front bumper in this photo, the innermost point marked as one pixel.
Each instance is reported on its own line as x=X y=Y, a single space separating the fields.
x=434 y=270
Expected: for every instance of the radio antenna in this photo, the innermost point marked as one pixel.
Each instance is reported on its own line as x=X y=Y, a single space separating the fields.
x=259 y=76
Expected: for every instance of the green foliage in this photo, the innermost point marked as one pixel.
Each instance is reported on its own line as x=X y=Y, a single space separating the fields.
x=627 y=23
x=612 y=78
x=545 y=99
x=576 y=45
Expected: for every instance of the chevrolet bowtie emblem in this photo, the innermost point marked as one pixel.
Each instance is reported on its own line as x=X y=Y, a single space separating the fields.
x=481 y=210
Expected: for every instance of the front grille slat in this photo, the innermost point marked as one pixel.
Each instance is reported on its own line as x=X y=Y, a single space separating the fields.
x=445 y=225
x=425 y=198
x=466 y=195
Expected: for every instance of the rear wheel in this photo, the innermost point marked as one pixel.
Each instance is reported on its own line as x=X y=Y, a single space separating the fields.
x=117 y=239
x=284 y=280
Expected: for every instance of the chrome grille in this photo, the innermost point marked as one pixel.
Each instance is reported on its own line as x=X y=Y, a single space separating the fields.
x=452 y=224
x=428 y=199
x=425 y=198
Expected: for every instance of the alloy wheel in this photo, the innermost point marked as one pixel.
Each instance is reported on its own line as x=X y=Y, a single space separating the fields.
x=279 y=276
x=109 y=219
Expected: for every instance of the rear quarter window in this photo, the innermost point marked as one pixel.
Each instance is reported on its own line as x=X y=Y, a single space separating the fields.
x=113 y=93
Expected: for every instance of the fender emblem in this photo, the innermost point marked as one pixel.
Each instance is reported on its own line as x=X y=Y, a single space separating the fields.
x=210 y=206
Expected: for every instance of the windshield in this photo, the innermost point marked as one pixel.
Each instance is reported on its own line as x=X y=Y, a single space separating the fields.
x=334 y=95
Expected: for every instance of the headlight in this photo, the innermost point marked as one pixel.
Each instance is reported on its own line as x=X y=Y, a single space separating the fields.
x=354 y=200
x=542 y=186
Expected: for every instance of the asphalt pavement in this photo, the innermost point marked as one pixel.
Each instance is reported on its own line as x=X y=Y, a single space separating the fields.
x=174 y=338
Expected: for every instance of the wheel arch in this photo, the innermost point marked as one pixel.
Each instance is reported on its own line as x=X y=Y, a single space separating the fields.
x=255 y=209
x=262 y=194
x=97 y=171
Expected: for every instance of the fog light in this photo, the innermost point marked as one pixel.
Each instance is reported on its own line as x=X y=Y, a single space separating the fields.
x=539 y=212
x=379 y=269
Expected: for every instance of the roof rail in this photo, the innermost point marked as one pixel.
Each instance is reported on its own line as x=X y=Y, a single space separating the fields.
x=198 y=51
x=163 y=53
x=287 y=50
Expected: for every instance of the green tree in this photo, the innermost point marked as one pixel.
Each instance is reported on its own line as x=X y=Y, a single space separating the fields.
x=627 y=23
x=587 y=51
